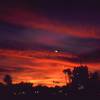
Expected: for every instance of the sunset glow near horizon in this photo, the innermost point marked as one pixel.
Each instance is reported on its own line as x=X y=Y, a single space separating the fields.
x=39 y=39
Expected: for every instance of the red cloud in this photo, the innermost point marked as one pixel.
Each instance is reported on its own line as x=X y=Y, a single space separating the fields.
x=34 y=66
x=33 y=20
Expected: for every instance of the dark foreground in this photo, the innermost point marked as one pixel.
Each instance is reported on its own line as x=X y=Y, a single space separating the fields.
x=49 y=97
x=83 y=86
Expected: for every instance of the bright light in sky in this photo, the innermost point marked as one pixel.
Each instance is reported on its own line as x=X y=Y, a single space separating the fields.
x=56 y=51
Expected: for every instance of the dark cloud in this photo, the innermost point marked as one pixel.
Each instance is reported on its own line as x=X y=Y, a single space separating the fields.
x=62 y=10
x=13 y=69
x=3 y=70
x=6 y=69
x=80 y=45
x=91 y=57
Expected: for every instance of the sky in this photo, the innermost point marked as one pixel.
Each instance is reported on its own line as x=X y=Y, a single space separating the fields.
x=41 y=38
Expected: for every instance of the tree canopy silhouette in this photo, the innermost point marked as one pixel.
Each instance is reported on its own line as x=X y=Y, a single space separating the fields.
x=8 y=79
x=80 y=76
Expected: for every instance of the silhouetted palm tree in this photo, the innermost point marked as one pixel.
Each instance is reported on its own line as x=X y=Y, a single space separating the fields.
x=67 y=72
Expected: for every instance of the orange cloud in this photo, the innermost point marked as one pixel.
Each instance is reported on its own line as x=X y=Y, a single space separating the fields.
x=36 y=66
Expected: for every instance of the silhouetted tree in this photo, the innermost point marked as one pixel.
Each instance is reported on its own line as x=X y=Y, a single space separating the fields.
x=80 y=77
x=8 y=80
x=9 y=86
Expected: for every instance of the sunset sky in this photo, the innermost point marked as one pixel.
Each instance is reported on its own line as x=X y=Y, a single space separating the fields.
x=40 y=38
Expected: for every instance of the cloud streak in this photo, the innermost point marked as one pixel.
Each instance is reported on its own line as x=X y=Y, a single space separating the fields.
x=35 y=20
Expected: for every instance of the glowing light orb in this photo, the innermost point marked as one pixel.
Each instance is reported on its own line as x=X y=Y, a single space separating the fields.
x=56 y=51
